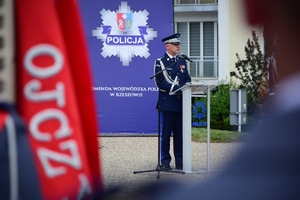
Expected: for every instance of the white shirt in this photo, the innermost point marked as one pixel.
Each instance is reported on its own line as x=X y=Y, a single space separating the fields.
x=171 y=56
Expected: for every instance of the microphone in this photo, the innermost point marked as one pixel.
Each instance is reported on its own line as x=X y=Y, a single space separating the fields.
x=185 y=57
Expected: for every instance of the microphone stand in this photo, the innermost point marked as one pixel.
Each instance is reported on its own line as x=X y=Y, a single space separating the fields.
x=159 y=167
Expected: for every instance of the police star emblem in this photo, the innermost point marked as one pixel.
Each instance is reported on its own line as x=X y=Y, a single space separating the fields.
x=125 y=33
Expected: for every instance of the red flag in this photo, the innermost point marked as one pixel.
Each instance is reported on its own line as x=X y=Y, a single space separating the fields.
x=2 y=120
x=71 y=25
x=55 y=99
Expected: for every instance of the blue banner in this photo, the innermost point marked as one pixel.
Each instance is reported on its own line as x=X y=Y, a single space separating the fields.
x=124 y=40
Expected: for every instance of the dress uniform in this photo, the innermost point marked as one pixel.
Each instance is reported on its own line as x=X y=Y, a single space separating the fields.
x=173 y=76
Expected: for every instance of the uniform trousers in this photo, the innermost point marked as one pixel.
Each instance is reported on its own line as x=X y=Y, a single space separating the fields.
x=171 y=123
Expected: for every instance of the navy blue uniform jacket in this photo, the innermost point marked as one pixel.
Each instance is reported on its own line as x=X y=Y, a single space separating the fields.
x=164 y=82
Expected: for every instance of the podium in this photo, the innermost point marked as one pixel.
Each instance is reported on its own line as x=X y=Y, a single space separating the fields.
x=186 y=127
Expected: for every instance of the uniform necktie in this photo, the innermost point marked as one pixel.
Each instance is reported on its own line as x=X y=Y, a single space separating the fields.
x=173 y=59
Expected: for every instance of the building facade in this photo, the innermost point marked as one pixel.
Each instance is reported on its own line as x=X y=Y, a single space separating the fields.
x=212 y=32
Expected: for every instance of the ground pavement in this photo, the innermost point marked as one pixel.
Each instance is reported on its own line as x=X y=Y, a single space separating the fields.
x=121 y=156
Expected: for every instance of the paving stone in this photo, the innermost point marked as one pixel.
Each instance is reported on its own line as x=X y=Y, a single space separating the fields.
x=121 y=156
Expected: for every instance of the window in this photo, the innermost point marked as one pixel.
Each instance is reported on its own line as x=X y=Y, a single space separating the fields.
x=200 y=43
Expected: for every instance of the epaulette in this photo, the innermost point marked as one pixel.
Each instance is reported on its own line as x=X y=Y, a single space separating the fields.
x=162 y=57
x=158 y=60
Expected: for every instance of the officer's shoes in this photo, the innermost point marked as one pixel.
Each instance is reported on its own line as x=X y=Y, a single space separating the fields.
x=166 y=167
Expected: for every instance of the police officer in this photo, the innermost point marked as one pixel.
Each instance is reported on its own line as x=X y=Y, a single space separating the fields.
x=174 y=75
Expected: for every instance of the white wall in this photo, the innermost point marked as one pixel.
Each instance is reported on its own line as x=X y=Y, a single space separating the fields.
x=224 y=45
x=239 y=32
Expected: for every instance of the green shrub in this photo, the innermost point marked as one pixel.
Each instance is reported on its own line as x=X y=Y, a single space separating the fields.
x=253 y=72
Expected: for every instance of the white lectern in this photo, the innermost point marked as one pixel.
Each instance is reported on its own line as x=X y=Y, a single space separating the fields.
x=186 y=127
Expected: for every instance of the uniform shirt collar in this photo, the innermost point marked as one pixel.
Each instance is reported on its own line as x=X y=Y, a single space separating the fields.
x=170 y=55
